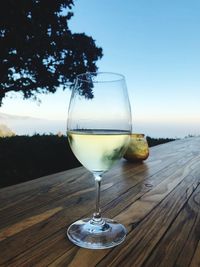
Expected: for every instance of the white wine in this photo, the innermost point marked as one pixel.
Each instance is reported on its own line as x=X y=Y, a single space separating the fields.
x=99 y=100
x=98 y=150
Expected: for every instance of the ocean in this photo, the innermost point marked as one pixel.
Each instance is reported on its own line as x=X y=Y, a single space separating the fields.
x=22 y=125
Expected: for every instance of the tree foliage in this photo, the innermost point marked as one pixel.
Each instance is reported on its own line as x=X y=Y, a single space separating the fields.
x=38 y=51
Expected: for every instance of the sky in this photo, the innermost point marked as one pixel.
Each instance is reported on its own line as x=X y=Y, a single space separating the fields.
x=156 y=45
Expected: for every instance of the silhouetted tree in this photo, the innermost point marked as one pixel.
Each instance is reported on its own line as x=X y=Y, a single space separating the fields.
x=38 y=52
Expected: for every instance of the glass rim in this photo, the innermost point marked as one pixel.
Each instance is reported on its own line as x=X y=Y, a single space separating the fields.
x=119 y=77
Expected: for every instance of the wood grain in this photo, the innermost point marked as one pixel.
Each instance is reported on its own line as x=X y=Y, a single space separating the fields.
x=24 y=224
x=158 y=201
x=196 y=258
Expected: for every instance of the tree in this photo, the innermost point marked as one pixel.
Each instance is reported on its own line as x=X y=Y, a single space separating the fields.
x=38 y=51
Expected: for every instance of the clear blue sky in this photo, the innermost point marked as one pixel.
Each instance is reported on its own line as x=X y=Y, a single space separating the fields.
x=156 y=45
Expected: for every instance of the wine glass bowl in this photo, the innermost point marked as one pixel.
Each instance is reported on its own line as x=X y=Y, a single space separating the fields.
x=98 y=129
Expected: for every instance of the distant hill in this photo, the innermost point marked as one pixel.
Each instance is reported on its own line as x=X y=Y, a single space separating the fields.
x=26 y=125
x=5 y=131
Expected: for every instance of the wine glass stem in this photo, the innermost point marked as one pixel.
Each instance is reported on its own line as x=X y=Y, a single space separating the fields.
x=97 y=215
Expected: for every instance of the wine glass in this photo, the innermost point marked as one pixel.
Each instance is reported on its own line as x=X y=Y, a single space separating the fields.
x=98 y=129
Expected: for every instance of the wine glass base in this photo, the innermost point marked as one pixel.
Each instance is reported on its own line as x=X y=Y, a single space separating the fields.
x=87 y=234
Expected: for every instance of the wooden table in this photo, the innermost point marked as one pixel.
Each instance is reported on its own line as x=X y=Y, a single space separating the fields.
x=158 y=201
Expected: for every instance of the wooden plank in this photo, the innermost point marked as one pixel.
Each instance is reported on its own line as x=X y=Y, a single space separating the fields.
x=146 y=197
x=29 y=237
x=192 y=208
x=14 y=196
x=147 y=234
x=98 y=255
x=177 y=246
x=196 y=258
x=22 y=225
